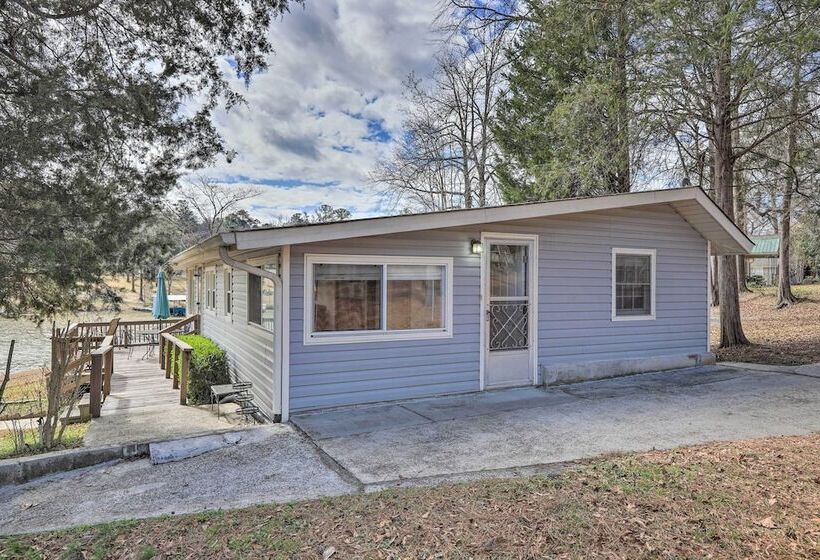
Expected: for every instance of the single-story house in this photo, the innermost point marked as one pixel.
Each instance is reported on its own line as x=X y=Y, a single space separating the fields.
x=764 y=260
x=408 y=306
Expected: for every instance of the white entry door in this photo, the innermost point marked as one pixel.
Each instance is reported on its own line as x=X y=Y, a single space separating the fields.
x=510 y=273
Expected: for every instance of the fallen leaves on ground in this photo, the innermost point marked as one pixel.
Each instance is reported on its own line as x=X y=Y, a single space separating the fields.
x=749 y=499
x=788 y=336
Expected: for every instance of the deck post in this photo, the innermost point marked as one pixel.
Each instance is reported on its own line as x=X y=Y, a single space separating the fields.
x=96 y=384
x=183 y=376
x=162 y=354
x=177 y=365
x=109 y=371
x=168 y=362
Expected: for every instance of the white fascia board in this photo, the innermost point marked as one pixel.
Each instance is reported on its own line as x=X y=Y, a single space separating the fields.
x=717 y=214
x=273 y=237
x=456 y=218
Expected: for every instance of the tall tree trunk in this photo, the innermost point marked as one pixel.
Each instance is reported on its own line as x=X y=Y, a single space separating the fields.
x=785 y=297
x=715 y=282
x=133 y=289
x=731 y=329
x=623 y=178
x=740 y=220
x=142 y=297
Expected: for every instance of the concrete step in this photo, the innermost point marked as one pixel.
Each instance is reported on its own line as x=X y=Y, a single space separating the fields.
x=81 y=412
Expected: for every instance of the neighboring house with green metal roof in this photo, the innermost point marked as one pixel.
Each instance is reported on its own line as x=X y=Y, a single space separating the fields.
x=764 y=257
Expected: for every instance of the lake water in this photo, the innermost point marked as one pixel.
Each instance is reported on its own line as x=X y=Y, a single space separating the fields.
x=32 y=346
x=32 y=343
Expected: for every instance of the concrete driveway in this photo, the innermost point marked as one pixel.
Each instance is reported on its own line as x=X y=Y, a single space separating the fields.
x=498 y=433
x=465 y=436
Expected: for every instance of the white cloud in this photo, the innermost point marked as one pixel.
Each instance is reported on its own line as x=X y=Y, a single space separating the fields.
x=334 y=81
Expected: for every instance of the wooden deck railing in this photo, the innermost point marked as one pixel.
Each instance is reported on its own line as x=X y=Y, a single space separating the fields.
x=141 y=332
x=175 y=354
x=102 y=368
x=73 y=347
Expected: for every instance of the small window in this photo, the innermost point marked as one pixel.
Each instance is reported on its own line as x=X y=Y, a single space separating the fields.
x=228 y=281
x=363 y=298
x=210 y=290
x=261 y=299
x=633 y=284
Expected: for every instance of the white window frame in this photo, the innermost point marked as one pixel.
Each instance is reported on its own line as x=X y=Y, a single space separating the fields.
x=652 y=253
x=210 y=292
x=227 y=291
x=260 y=263
x=351 y=337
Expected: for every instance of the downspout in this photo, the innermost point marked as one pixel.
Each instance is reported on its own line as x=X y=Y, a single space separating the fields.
x=277 y=282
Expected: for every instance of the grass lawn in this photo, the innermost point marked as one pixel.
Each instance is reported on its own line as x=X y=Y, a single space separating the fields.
x=28 y=391
x=72 y=437
x=789 y=336
x=751 y=499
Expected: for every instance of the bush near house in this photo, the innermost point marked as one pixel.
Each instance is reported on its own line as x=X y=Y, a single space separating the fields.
x=209 y=366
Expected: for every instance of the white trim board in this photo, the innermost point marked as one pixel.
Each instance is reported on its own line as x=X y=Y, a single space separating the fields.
x=692 y=204
x=523 y=238
x=653 y=254
x=284 y=338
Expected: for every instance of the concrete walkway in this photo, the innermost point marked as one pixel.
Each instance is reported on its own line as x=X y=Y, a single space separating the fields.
x=422 y=442
x=455 y=436
x=271 y=464
x=143 y=406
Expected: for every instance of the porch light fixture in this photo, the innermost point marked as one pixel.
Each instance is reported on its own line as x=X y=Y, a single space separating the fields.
x=475 y=247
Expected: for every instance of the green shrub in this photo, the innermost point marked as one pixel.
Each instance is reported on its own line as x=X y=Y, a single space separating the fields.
x=209 y=366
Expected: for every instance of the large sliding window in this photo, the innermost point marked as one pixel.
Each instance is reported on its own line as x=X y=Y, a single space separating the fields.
x=364 y=298
x=633 y=284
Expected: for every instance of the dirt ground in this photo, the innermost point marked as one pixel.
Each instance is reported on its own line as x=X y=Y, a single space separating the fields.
x=789 y=336
x=748 y=499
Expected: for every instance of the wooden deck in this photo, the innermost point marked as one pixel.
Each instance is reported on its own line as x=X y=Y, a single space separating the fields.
x=144 y=406
x=137 y=384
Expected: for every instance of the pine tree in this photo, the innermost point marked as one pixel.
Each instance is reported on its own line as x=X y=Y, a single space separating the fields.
x=565 y=127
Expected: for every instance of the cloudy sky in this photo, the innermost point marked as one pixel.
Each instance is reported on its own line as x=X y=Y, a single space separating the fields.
x=329 y=106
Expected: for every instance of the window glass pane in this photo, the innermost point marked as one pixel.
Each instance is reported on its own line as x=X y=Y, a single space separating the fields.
x=346 y=297
x=508 y=270
x=254 y=293
x=633 y=284
x=267 y=302
x=414 y=296
x=228 y=281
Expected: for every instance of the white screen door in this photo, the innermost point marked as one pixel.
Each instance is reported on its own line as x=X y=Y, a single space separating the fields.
x=508 y=275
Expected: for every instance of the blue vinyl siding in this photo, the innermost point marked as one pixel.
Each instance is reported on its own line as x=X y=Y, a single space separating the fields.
x=574 y=307
x=250 y=348
x=340 y=374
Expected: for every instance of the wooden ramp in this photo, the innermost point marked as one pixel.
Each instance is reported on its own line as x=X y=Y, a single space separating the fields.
x=143 y=406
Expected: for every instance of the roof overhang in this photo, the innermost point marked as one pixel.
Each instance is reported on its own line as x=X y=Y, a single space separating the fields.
x=692 y=204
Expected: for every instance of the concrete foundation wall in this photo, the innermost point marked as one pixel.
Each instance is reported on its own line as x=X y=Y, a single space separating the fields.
x=556 y=374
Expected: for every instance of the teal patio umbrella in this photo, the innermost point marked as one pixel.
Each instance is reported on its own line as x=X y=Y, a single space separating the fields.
x=161 y=308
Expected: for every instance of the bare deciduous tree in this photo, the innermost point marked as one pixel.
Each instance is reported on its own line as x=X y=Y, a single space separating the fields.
x=446 y=158
x=212 y=202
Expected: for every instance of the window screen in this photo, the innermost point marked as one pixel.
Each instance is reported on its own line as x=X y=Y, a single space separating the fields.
x=414 y=297
x=633 y=285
